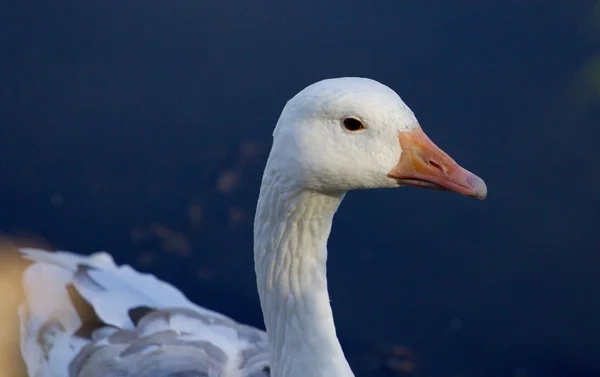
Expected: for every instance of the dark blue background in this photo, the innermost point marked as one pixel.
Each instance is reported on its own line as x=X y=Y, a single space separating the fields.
x=141 y=128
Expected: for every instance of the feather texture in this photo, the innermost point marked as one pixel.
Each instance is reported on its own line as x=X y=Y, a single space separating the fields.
x=141 y=326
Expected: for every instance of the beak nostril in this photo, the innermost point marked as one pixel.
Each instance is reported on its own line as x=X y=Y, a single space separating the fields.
x=437 y=166
x=434 y=164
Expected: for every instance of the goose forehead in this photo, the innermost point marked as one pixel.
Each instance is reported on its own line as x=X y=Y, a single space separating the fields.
x=358 y=97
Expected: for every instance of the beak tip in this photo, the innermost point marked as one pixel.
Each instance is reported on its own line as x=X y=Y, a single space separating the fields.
x=479 y=187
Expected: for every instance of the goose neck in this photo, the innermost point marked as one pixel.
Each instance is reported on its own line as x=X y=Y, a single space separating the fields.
x=291 y=229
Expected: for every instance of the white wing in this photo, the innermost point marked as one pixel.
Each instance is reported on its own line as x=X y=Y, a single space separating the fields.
x=137 y=325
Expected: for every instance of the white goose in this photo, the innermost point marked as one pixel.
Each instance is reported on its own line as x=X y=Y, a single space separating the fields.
x=335 y=135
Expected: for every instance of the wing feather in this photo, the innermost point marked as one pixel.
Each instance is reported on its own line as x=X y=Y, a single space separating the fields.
x=147 y=327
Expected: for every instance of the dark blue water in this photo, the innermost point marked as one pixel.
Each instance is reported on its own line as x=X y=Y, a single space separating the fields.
x=141 y=127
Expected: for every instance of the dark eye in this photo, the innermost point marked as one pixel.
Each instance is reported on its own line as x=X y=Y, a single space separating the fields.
x=353 y=124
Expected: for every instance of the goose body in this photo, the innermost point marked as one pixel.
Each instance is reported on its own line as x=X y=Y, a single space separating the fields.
x=85 y=316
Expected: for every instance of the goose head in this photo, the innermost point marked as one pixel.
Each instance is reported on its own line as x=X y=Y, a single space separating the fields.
x=355 y=133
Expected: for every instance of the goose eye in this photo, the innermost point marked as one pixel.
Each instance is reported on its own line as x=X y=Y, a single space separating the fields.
x=353 y=124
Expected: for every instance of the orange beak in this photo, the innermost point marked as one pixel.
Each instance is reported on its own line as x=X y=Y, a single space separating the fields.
x=424 y=164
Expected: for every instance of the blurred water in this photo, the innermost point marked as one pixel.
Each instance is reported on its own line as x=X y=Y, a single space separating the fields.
x=141 y=127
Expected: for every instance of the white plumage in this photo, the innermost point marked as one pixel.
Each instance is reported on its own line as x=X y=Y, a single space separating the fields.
x=177 y=336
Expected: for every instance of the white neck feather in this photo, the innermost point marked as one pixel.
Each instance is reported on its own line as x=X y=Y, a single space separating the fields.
x=291 y=229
